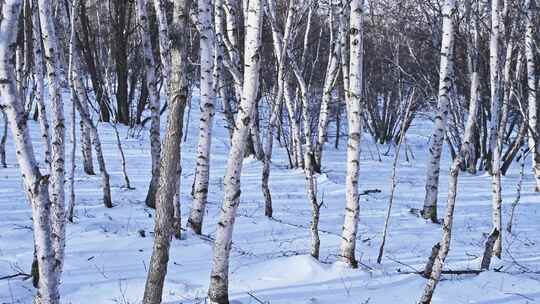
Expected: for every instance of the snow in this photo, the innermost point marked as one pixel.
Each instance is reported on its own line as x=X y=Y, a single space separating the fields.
x=107 y=257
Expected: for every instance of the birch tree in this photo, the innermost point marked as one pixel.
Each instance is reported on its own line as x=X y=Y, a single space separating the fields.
x=354 y=117
x=57 y=194
x=36 y=185
x=531 y=90
x=495 y=139
x=38 y=74
x=473 y=57
x=170 y=162
x=437 y=139
x=202 y=171
x=149 y=65
x=219 y=279
x=330 y=78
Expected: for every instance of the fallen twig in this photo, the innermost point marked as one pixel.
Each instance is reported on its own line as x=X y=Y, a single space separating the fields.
x=18 y=274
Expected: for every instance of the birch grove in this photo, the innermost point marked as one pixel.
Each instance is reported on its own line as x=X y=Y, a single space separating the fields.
x=280 y=120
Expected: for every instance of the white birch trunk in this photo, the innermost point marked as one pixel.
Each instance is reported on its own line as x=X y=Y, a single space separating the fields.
x=531 y=90
x=473 y=47
x=71 y=204
x=56 y=189
x=202 y=171
x=438 y=264
x=311 y=179
x=218 y=290
x=219 y=82
x=354 y=118
x=36 y=185
x=38 y=74
x=495 y=139
x=494 y=79
x=149 y=65
x=332 y=73
x=437 y=139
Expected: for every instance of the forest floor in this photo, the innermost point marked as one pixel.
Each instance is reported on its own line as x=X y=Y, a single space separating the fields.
x=108 y=250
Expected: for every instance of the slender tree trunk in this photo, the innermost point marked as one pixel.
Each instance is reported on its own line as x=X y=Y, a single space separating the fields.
x=38 y=73
x=86 y=146
x=202 y=170
x=531 y=91
x=36 y=185
x=71 y=204
x=219 y=282
x=56 y=187
x=332 y=73
x=438 y=263
x=473 y=47
x=311 y=179
x=494 y=79
x=170 y=162
x=78 y=84
x=155 y=141
x=393 y=182
x=437 y=139
x=354 y=117
x=495 y=139
x=3 y=141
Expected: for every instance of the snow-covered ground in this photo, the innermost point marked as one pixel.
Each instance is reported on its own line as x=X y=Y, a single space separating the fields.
x=107 y=256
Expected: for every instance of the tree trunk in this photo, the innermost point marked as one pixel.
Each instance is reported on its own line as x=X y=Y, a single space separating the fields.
x=473 y=47
x=155 y=141
x=170 y=162
x=202 y=170
x=531 y=90
x=3 y=141
x=442 y=253
x=354 y=118
x=56 y=187
x=218 y=290
x=330 y=78
x=445 y=83
x=495 y=139
x=36 y=185
x=86 y=144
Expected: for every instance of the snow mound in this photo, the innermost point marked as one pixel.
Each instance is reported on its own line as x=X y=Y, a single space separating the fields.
x=284 y=272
